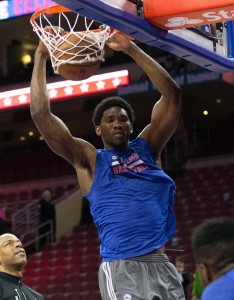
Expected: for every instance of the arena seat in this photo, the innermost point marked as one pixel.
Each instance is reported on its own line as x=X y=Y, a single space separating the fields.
x=199 y=196
x=70 y=272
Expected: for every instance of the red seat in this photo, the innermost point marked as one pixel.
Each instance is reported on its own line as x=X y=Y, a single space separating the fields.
x=12 y=197
x=35 y=194
x=24 y=196
x=3 y=198
x=48 y=289
x=55 y=296
x=59 y=191
x=31 y=281
x=95 y=295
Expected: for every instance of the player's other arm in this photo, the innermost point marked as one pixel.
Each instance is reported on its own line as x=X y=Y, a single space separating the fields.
x=165 y=114
x=54 y=131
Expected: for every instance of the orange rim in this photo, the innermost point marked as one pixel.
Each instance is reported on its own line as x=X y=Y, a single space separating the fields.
x=54 y=9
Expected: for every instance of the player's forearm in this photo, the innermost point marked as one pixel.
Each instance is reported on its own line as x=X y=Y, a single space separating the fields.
x=39 y=95
x=157 y=74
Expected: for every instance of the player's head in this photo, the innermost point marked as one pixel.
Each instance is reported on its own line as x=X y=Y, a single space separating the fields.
x=12 y=255
x=213 y=247
x=113 y=118
x=111 y=102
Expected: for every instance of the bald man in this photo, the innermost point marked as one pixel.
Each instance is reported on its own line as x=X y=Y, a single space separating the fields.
x=12 y=261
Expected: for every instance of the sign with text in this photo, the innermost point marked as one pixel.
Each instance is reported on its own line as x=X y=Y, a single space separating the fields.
x=16 y=8
x=183 y=79
x=62 y=90
x=179 y=14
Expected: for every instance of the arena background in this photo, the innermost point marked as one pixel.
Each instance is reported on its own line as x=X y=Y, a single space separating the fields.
x=199 y=156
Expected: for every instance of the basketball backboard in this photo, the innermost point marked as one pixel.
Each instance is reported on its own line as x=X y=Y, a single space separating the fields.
x=192 y=44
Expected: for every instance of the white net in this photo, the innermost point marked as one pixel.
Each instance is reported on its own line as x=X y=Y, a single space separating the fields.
x=66 y=42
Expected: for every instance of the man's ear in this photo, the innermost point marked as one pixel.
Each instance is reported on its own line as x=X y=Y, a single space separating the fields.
x=98 y=130
x=131 y=130
x=204 y=273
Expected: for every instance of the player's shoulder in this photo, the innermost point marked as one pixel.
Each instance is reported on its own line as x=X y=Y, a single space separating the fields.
x=140 y=143
x=219 y=289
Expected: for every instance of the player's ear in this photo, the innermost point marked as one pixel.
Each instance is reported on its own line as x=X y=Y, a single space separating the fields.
x=204 y=274
x=131 y=130
x=98 y=130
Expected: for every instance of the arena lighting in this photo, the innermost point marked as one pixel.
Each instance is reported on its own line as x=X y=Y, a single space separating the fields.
x=66 y=89
x=26 y=59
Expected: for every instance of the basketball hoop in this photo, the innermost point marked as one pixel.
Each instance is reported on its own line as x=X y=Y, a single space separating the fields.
x=66 y=43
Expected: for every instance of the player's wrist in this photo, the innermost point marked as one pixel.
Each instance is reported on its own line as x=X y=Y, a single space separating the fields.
x=132 y=48
x=134 y=51
x=41 y=54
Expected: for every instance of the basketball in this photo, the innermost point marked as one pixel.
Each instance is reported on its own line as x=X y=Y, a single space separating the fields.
x=76 y=57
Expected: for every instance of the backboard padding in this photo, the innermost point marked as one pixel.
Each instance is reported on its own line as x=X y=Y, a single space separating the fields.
x=147 y=33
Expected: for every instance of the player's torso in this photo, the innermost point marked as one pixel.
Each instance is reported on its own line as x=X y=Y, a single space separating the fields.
x=130 y=196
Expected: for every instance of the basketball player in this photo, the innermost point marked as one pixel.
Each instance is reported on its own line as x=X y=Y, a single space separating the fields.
x=131 y=198
x=213 y=247
x=12 y=261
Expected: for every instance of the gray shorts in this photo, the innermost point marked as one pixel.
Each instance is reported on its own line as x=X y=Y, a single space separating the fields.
x=147 y=277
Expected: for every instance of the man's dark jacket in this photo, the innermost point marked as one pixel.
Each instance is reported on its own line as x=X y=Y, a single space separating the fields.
x=12 y=288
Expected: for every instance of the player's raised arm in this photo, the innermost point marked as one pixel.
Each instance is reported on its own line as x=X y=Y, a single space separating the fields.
x=165 y=113
x=54 y=131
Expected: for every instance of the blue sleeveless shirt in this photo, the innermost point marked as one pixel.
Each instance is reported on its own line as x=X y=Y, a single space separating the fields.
x=131 y=201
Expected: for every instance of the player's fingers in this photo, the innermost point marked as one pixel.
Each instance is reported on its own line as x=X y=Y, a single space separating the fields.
x=54 y=30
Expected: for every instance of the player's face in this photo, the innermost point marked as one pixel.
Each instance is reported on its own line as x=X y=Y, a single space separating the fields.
x=12 y=253
x=115 y=128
